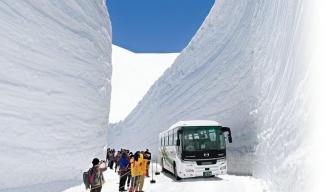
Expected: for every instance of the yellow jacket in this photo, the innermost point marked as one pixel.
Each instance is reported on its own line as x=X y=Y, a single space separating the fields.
x=143 y=165
x=135 y=167
x=132 y=166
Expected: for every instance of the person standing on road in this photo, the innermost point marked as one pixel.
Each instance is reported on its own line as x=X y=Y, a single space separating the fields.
x=111 y=159
x=143 y=170
x=108 y=151
x=130 y=156
x=116 y=159
x=147 y=156
x=135 y=172
x=123 y=170
x=97 y=172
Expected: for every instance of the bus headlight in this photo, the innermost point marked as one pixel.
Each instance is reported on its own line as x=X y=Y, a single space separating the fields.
x=223 y=167
x=188 y=166
x=221 y=161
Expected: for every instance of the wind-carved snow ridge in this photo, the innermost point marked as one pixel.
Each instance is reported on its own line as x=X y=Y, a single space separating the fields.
x=55 y=72
x=244 y=68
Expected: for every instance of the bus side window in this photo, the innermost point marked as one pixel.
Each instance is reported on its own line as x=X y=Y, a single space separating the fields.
x=175 y=136
x=164 y=139
x=169 y=138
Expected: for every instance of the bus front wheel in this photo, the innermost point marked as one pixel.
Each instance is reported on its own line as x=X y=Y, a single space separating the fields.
x=162 y=165
x=175 y=173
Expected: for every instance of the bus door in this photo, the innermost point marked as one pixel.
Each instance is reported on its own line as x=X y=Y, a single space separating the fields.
x=179 y=143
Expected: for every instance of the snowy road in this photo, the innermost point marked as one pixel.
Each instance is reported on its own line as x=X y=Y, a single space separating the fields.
x=166 y=183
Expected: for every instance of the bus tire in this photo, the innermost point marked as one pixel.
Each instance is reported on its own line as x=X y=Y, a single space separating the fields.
x=175 y=173
x=162 y=165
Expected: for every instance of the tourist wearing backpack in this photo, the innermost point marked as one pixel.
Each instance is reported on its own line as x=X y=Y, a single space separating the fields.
x=123 y=170
x=95 y=175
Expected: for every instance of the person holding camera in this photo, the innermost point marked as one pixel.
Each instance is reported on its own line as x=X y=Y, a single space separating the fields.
x=96 y=175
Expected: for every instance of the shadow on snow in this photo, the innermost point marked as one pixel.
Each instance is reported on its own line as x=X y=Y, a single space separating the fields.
x=194 y=179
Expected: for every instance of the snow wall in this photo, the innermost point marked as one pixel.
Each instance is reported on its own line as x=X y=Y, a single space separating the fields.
x=245 y=69
x=55 y=71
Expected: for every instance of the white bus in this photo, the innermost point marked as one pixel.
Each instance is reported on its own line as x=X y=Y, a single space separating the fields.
x=194 y=148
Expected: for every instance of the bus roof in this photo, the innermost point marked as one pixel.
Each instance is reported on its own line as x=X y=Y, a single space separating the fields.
x=194 y=123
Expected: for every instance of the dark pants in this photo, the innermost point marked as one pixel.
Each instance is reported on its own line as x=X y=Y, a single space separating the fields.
x=116 y=166
x=111 y=163
x=98 y=189
x=135 y=182
x=147 y=169
x=128 y=178
x=123 y=178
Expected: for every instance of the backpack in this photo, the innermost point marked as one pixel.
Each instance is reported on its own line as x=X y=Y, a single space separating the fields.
x=89 y=177
x=85 y=179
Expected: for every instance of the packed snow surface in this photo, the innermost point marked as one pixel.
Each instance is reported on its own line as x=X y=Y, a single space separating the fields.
x=166 y=182
x=55 y=71
x=133 y=75
x=244 y=69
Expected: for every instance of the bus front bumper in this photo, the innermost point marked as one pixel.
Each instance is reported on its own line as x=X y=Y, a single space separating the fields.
x=194 y=170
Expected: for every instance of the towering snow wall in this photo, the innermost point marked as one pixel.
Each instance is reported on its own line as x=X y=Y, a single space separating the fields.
x=55 y=71
x=244 y=68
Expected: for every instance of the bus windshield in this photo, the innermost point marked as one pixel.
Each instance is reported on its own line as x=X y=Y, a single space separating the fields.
x=203 y=138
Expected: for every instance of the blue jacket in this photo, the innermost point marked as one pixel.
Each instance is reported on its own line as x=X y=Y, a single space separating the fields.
x=123 y=162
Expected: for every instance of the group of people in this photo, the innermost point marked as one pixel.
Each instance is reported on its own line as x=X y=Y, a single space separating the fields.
x=132 y=169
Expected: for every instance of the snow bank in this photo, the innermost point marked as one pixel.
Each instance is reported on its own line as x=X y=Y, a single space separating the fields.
x=245 y=69
x=134 y=73
x=55 y=71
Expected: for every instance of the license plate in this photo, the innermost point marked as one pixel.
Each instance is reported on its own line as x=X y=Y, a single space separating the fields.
x=207 y=173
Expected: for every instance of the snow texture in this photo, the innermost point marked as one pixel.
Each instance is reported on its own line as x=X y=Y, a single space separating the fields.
x=166 y=182
x=245 y=69
x=55 y=72
x=133 y=75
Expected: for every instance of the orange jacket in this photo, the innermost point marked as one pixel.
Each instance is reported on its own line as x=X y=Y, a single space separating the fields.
x=143 y=165
x=135 y=167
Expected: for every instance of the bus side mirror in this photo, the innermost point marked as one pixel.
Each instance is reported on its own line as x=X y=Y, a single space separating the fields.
x=178 y=142
x=227 y=129
x=230 y=138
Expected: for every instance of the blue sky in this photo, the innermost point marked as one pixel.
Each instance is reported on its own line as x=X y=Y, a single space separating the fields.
x=156 y=26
